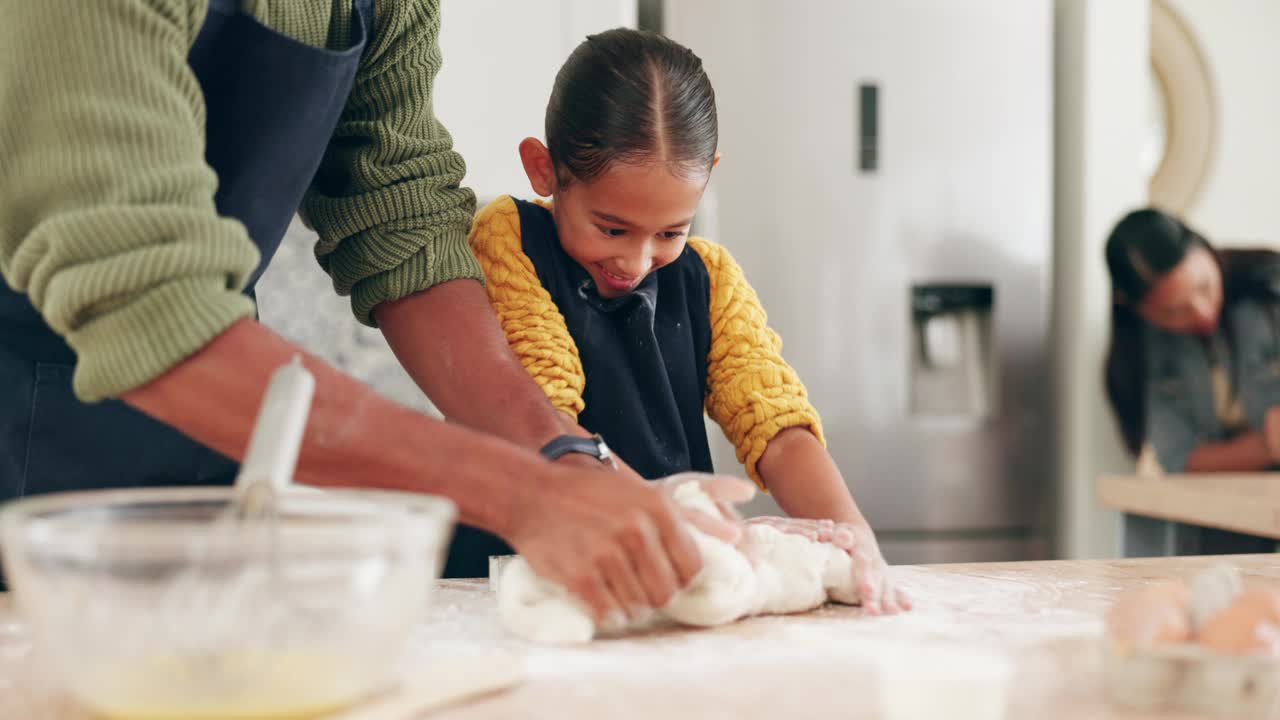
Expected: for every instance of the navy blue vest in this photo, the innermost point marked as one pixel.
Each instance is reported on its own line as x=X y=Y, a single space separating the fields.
x=644 y=356
x=272 y=105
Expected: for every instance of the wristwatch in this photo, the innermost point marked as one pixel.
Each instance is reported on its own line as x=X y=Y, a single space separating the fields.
x=593 y=446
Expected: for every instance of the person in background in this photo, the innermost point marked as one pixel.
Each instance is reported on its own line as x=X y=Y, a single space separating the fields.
x=632 y=327
x=1193 y=369
x=154 y=151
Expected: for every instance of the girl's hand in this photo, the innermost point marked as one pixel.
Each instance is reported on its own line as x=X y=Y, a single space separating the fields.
x=880 y=596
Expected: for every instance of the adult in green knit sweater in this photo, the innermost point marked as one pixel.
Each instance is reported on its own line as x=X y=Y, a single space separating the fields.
x=153 y=152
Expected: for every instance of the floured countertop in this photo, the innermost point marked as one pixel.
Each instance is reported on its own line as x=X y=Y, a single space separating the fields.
x=1045 y=617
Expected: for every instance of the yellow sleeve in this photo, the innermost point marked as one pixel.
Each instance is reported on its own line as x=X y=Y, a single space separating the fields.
x=752 y=393
x=534 y=327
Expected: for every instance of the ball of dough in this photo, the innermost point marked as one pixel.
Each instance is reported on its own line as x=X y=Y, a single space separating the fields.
x=1248 y=625
x=1151 y=615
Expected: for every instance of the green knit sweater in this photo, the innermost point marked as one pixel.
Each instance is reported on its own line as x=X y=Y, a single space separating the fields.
x=107 y=219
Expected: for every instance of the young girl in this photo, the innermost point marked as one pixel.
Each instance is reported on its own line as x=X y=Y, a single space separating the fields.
x=630 y=326
x=1194 y=365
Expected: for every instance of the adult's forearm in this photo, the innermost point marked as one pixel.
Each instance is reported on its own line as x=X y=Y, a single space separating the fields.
x=451 y=344
x=354 y=436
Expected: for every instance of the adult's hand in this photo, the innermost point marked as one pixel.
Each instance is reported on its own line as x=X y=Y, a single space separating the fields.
x=617 y=542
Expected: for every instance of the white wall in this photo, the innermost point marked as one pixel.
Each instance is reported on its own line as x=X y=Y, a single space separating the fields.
x=1237 y=204
x=1101 y=73
x=500 y=61
x=963 y=191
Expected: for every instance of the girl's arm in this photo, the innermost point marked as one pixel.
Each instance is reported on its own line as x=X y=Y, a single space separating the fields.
x=807 y=484
x=764 y=410
x=752 y=393
x=805 y=480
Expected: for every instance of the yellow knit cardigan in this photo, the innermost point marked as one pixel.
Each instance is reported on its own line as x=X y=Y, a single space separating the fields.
x=752 y=393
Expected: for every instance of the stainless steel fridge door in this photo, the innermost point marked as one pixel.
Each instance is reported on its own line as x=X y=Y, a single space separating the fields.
x=837 y=211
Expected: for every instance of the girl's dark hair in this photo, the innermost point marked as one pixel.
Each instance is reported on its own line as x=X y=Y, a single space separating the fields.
x=1144 y=246
x=626 y=96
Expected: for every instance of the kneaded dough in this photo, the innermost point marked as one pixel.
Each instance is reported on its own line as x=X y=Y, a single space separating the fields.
x=785 y=573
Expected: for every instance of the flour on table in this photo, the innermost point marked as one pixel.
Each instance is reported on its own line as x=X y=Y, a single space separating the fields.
x=785 y=573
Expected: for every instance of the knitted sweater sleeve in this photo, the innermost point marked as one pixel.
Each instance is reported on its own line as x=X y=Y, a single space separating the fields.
x=107 y=218
x=387 y=202
x=108 y=223
x=752 y=393
x=534 y=327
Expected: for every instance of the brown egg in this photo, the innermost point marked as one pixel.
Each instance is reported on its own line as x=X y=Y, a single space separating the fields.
x=1151 y=615
x=1249 y=625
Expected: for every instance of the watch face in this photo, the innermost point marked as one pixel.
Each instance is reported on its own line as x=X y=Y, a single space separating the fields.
x=606 y=455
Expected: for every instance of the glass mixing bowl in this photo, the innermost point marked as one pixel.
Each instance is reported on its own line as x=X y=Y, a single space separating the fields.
x=155 y=603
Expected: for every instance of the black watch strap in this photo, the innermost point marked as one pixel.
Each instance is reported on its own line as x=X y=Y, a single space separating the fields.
x=565 y=444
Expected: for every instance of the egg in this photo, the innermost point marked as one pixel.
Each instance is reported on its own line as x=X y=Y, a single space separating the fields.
x=1151 y=615
x=1249 y=625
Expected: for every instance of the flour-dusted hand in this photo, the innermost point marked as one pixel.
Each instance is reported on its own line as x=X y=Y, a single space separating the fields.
x=617 y=543
x=880 y=595
x=876 y=588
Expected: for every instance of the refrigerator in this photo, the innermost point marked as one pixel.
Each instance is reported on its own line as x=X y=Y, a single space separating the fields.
x=886 y=186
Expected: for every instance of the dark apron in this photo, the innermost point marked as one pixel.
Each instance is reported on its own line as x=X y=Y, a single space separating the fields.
x=644 y=356
x=272 y=106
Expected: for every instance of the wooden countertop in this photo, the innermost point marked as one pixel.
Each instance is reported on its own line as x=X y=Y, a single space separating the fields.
x=1043 y=616
x=1247 y=503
